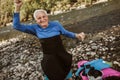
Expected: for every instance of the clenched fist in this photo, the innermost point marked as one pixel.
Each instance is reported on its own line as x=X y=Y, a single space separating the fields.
x=80 y=36
x=18 y=4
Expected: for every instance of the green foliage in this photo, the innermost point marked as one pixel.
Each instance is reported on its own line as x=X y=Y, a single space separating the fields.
x=29 y=6
x=6 y=11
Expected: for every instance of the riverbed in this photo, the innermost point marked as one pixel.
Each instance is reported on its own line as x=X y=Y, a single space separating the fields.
x=20 y=57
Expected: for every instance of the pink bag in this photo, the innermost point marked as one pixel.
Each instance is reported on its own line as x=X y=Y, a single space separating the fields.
x=107 y=72
x=110 y=72
x=80 y=63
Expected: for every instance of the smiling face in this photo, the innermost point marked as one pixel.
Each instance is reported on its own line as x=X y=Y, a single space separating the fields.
x=41 y=18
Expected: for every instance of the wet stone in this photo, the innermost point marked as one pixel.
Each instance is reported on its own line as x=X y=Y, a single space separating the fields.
x=20 y=58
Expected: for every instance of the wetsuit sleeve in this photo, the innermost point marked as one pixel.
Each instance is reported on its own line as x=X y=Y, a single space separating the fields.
x=66 y=32
x=22 y=27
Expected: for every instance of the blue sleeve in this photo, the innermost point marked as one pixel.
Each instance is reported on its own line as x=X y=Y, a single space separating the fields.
x=22 y=27
x=66 y=32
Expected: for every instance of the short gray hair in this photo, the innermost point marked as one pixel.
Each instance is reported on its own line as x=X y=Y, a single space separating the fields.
x=40 y=10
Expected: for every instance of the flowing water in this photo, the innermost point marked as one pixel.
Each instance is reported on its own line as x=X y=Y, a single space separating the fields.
x=20 y=59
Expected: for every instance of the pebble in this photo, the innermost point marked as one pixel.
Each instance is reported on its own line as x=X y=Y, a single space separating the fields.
x=20 y=58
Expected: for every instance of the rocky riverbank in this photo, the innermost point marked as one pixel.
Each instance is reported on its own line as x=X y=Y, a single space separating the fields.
x=20 y=58
x=105 y=45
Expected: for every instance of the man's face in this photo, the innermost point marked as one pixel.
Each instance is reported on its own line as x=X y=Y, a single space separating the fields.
x=42 y=19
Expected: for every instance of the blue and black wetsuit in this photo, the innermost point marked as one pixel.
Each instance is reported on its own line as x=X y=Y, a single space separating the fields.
x=56 y=61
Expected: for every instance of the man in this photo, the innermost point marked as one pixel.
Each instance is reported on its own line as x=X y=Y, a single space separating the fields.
x=56 y=62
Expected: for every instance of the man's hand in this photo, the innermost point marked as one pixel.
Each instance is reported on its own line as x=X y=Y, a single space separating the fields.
x=18 y=4
x=80 y=36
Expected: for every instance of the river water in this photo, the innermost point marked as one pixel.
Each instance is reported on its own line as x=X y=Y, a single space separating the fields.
x=20 y=60
x=91 y=25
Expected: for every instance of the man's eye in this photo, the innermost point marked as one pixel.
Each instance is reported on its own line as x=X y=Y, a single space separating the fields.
x=39 y=18
x=44 y=16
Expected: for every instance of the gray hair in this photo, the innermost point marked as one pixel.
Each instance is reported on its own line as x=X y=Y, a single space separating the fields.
x=40 y=10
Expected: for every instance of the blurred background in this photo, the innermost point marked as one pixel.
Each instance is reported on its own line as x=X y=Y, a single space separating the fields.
x=21 y=53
